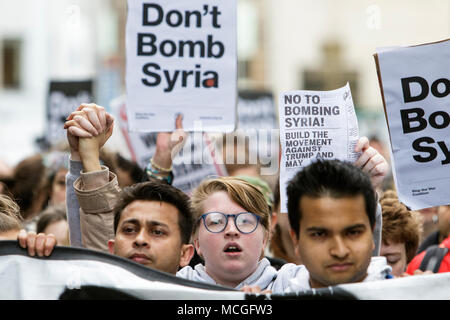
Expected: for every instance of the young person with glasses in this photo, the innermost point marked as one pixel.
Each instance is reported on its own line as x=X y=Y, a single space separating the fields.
x=230 y=234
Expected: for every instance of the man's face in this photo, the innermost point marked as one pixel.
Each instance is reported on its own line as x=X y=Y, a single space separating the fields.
x=148 y=233
x=335 y=240
x=58 y=193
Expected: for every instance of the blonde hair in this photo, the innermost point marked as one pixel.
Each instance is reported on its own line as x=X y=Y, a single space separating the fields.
x=400 y=225
x=240 y=191
x=10 y=218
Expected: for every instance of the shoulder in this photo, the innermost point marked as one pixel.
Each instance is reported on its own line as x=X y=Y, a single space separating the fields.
x=186 y=272
x=291 y=278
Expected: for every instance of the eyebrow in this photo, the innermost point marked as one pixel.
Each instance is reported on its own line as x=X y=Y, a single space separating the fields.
x=392 y=254
x=149 y=223
x=355 y=226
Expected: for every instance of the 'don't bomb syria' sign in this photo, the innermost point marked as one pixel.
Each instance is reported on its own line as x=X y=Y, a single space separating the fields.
x=182 y=58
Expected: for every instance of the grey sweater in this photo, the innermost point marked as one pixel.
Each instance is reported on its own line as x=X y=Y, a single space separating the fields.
x=263 y=276
x=72 y=206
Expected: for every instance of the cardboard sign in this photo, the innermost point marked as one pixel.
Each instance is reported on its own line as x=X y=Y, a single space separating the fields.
x=315 y=125
x=63 y=98
x=195 y=162
x=415 y=87
x=181 y=58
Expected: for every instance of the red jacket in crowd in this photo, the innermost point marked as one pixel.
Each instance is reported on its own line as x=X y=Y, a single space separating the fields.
x=445 y=264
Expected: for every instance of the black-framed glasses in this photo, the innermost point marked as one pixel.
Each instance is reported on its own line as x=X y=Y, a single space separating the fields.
x=216 y=222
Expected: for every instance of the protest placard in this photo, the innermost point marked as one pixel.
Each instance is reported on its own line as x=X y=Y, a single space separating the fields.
x=258 y=121
x=415 y=87
x=315 y=125
x=195 y=161
x=181 y=58
x=63 y=98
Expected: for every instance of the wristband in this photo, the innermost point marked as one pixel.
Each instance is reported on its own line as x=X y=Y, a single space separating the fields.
x=168 y=179
x=161 y=169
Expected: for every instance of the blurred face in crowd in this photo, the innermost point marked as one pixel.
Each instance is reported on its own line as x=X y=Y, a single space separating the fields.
x=148 y=233
x=58 y=193
x=230 y=256
x=60 y=229
x=335 y=239
x=395 y=253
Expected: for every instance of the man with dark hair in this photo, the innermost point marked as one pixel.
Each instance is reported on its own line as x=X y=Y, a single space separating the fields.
x=152 y=226
x=331 y=207
x=334 y=179
x=149 y=222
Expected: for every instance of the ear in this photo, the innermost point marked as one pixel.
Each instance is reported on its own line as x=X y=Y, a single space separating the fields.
x=111 y=245
x=187 y=252
x=294 y=241
x=197 y=247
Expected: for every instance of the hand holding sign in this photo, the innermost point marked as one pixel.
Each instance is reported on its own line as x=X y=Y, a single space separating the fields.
x=169 y=144
x=371 y=162
x=319 y=125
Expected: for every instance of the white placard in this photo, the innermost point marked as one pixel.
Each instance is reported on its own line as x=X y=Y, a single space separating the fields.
x=315 y=125
x=181 y=58
x=195 y=162
x=415 y=85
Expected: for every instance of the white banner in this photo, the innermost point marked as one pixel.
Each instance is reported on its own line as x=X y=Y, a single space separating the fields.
x=315 y=125
x=415 y=85
x=181 y=58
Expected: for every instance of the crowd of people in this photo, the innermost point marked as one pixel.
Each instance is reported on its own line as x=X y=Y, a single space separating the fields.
x=344 y=222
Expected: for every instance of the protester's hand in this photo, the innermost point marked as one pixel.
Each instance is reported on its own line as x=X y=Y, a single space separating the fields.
x=88 y=120
x=254 y=289
x=88 y=129
x=40 y=244
x=168 y=144
x=371 y=162
x=419 y=272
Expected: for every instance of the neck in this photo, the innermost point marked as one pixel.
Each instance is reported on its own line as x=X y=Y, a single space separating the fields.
x=316 y=284
x=229 y=279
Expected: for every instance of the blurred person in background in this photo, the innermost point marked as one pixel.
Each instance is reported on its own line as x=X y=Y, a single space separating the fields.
x=400 y=234
x=128 y=172
x=429 y=224
x=10 y=218
x=37 y=182
x=383 y=149
x=442 y=221
x=28 y=186
x=6 y=173
x=54 y=220
x=281 y=245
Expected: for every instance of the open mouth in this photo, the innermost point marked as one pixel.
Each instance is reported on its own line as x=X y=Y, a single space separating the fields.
x=232 y=248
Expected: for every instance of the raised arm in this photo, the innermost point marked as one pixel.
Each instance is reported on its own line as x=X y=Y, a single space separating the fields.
x=374 y=164
x=168 y=144
x=96 y=188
